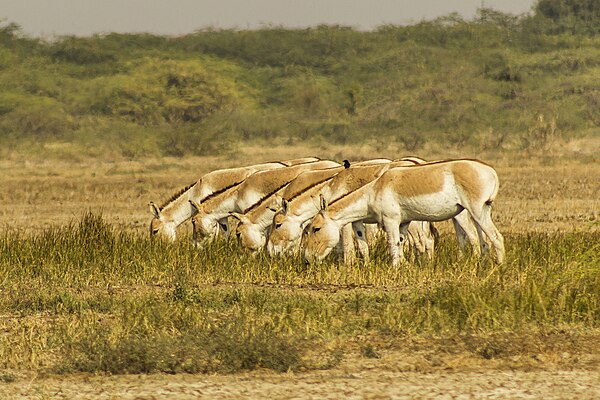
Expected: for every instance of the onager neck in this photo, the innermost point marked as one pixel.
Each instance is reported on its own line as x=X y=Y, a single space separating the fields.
x=304 y=207
x=352 y=207
x=221 y=203
x=179 y=210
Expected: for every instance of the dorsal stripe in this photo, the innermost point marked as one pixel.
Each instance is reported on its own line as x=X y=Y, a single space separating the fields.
x=446 y=161
x=348 y=194
x=310 y=187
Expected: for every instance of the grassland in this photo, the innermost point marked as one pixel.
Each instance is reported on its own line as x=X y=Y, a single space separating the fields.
x=85 y=290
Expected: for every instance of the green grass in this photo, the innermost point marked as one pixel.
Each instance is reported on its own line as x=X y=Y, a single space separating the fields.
x=87 y=298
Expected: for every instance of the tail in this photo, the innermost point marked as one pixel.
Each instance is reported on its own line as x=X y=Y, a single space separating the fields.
x=495 y=190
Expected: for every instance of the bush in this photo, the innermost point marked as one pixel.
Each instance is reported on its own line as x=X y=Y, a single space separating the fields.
x=80 y=51
x=34 y=116
x=157 y=91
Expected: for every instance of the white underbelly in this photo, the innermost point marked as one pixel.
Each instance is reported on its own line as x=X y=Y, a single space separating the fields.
x=430 y=207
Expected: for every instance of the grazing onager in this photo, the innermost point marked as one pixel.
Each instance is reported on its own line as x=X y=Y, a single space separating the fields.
x=430 y=192
x=177 y=209
x=255 y=222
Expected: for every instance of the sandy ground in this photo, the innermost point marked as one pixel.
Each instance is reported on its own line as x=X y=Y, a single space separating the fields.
x=371 y=383
x=559 y=367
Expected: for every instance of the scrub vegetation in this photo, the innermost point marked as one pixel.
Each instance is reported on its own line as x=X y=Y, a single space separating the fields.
x=497 y=81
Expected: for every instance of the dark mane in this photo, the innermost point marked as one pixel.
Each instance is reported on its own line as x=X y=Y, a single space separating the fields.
x=258 y=203
x=176 y=195
x=310 y=187
x=347 y=194
x=218 y=192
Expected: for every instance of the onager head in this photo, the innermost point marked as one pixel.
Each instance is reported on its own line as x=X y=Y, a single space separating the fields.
x=160 y=227
x=250 y=236
x=322 y=235
x=285 y=232
x=204 y=226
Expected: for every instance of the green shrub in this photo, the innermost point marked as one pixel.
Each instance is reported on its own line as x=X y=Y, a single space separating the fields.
x=157 y=91
x=34 y=116
x=80 y=51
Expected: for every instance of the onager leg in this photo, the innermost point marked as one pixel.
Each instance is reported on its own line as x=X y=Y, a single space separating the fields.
x=395 y=240
x=483 y=221
x=361 y=240
x=417 y=238
x=466 y=233
x=404 y=235
x=348 y=244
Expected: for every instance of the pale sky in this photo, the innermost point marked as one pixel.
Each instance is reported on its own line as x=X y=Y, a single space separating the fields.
x=47 y=18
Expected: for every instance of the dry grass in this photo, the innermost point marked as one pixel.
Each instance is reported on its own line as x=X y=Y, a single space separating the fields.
x=538 y=193
x=98 y=296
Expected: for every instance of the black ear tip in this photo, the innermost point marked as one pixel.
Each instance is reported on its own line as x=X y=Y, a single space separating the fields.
x=346 y=164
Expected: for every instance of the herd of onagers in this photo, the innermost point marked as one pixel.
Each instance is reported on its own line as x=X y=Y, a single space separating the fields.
x=313 y=206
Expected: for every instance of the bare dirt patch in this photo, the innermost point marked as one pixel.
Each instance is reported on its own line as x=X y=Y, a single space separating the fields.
x=352 y=380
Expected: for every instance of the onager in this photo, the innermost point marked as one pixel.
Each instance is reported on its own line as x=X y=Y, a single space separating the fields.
x=289 y=222
x=431 y=192
x=255 y=222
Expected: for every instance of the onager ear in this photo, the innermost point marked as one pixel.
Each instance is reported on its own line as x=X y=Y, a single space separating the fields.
x=322 y=202
x=278 y=200
x=195 y=206
x=284 y=206
x=154 y=210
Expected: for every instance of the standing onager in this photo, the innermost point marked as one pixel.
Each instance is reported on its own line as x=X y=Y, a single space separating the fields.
x=289 y=222
x=254 y=222
x=430 y=192
x=177 y=209
x=215 y=209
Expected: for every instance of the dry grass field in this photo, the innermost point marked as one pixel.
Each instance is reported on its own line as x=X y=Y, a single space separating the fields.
x=557 y=193
x=538 y=193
